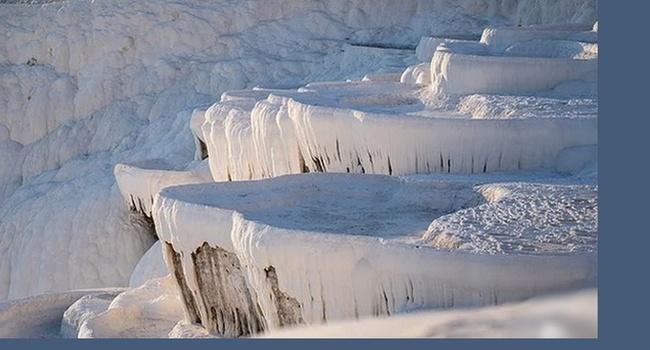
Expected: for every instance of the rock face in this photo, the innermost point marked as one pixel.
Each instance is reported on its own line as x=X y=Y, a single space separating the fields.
x=289 y=313
x=251 y=256
x=229 y=308
x=148 y=311
x=86 y=85
x=139 y=184
x=454 y=70
x=151 y=265
x=305 y=203
x=223 y=302
x=308 y=249
x=41 y=316
x=523 y=219
x=173 y=260
x=573 y=315
x=385 y=126
x=513 y=60
x=376 y=128
x=82 y=310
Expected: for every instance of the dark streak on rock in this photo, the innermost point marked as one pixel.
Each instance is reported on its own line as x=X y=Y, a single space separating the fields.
x=338 y=150
x=204 y=150
x=225 y=294
x=189 y=304
x=288 y=308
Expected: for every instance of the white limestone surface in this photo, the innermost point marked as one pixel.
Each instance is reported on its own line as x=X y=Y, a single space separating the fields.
x=498 y=39
x=348 y=246
x=151 y=265
x=573 y=315
x=149 y=311
x=86 y=85
x=139 y=184
x=384 y=127
x=41 y=316
x=455 y=71
x=428 y=45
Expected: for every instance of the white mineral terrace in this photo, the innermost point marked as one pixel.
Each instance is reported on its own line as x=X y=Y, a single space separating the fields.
x=299 y=164
x=524 y=219
x=249 y=256
x=572 y=315
x=383 y=126
x=460 y=68
x=322 y=247
x=376 y=128
x=499 y=39
x=139 y=184
x=380 y=125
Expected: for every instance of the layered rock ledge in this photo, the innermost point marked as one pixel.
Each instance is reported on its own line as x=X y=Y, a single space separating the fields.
x=307 y=249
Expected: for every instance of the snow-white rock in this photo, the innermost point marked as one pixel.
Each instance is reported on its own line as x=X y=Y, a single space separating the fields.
x=151 y=265
x=85 y=85
x=315 y=248
x=149 y=311
x=10 y=160
x=577 y=159
x=188 y=330
x=457 y=69
x=522 y=219
x=553 y=49
x=36 y=100
x=428 y=45
x=566 y=316
x=498 y=39
x=380 y=128
x=382 y=77
x=486 y=106
x=419 y=74
x=87 y=239
x=41 y=316
x=84 y=309
x=139 y=184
